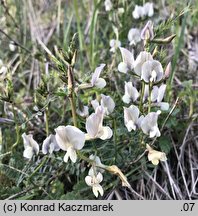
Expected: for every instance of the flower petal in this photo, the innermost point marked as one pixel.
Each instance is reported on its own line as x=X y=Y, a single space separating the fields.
x=105 y=133
x=100 y=83
x=154 y=93
x=96 y=74
x=131 y=93
x=95 y=103
x=149 y=124
x=99 y=177
x=28 y=152
x=93 y=123
x=108 y=103
x=66 y=157
x=140 y=60
x=97 y=188
x=154 y=132
x=61 y=137
x=161 y=92
x=72 y=154
x=69 y=136
x=122 y=67
x=134 y=36
x=148 y=9
x=127 y=57
x=131 y=115
x=84 y=112
x=146 y=92
x=29 y=141
x=76 y=137
x=147 y=32
x=88 y=180
x=46 y=145
x=138 y=12
x=152 y=71
x=50 y=145
x=155 y=162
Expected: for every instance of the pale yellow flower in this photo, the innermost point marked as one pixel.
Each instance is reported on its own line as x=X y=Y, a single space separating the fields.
x=155 y=156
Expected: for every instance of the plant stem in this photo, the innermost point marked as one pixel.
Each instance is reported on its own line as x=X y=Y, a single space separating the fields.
x=47 y=121
x=115 y=139
x=73 y=109
x=142 y=96
x=71 y=94
x=38 y=167
x=149 y=98
x=17 y=129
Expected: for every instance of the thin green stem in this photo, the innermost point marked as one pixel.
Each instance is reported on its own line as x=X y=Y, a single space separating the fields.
x=83 y=157
x=71 y=95
x=47 y=121
x=17 y=128
x=149 y=98
x=73 y=109
x=38 y=167
x=115 y=139
x=142 y=96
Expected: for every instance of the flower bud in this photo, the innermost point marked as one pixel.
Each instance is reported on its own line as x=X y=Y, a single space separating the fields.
x=167 y=71
x=147 y=32
x=12 y=46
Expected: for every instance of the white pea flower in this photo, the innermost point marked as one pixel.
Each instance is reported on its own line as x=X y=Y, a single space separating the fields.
x=148 y=9
x=134 y=36
x=131 y=93
x=107 y=103
x=70 y=139
x=96 y=80
x=131 y=118
x=97 y=161
x=108 y=5
x=147 y=32
x=142 y=11
x=114 y=44
x=157 y=95
x=84 y=112
x=152 y=71
x=149 y=124
x=50 y=145
x=30 y=145
x=138 y=12
x=140 y=60
x=94 y=126
x=155 y=156
x=94 y=181
x=127 y=61
x=12 y=47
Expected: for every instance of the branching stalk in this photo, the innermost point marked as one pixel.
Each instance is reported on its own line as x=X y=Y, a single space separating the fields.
x=71 y=95
x=142 y=96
